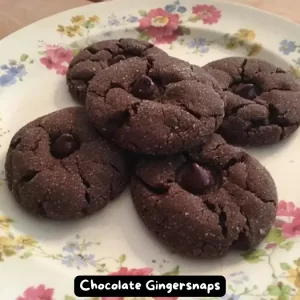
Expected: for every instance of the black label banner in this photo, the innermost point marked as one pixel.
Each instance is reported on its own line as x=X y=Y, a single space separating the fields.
x=150 y=286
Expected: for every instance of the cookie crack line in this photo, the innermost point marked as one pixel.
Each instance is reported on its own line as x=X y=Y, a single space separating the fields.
x=31 y=174
x=42 y=210
x=94 y=51
x=196 y=115
x=15 y=144
x=27 y=178
x=247 y=225
x=155 y=190
x=85 y=183
x=252 y=129
x=256 y=124
x=121 y=51
x=87 y=186
x=221 y=216
x=172 y=130
x=242 y=160
x=113 y=167
x=243 y=65
x=253 y=193
x=188 y=155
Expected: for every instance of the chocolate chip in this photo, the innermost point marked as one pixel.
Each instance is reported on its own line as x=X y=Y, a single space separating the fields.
x=246 y=90
x=117 y=59
x=143 y=88
x=64 y=146
x=195 y=179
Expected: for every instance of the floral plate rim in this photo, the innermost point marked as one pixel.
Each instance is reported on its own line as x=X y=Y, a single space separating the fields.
x=154 y=3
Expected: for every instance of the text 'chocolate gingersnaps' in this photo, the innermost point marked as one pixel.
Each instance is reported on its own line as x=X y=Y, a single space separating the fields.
x=58 y=167
x=262 y=101
x=206 y=201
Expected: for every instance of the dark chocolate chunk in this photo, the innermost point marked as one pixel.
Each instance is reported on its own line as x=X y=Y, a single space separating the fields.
x=195 y=178
x=143 y=88
x=246 y=90
x=64 y=145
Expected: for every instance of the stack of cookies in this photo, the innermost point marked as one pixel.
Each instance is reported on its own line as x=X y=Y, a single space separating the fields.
x=164 y=125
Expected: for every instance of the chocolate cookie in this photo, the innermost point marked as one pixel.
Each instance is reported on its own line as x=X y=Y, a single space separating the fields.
x=99 y=56
x=161 y=105
x=207 y=201
x=262 y=101
x=58 y=167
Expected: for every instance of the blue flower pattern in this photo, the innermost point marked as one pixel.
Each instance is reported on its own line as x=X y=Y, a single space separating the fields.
x=297 y=61
x=132 y=19
x=287 y=47
x=71 y=247
x=79 y=261
x=238 y=277
x=74 y=255
x=11 y=73
x=107 y=34
x=199 y=44
x=181 y=9
x=113 y=22
x=175 y=7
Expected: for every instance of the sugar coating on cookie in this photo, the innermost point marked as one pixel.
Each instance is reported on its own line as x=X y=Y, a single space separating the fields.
x=262 y=101
x=99 y=56
x=58 y=167
x=206 y=201
x=161 y=105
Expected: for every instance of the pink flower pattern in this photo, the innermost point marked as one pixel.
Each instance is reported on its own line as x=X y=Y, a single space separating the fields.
x=290 y=223
x=161 y=25
x=291 y=229
x=37 y=293
x=209 y=14
x=270 y=246
x=57 y=58
x=288 y=209
x=42 y=293
x=135 y=272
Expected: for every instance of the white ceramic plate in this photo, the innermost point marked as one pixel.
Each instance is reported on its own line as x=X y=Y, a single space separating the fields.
x=40 y=258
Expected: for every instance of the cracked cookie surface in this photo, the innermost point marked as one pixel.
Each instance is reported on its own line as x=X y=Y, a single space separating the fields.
x=206 y=201
x=99 y=56
x=161 y=105
x=262 y=101
x=58 y=167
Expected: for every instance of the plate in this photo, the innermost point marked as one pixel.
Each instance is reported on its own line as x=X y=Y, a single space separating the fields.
x=40 y=258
